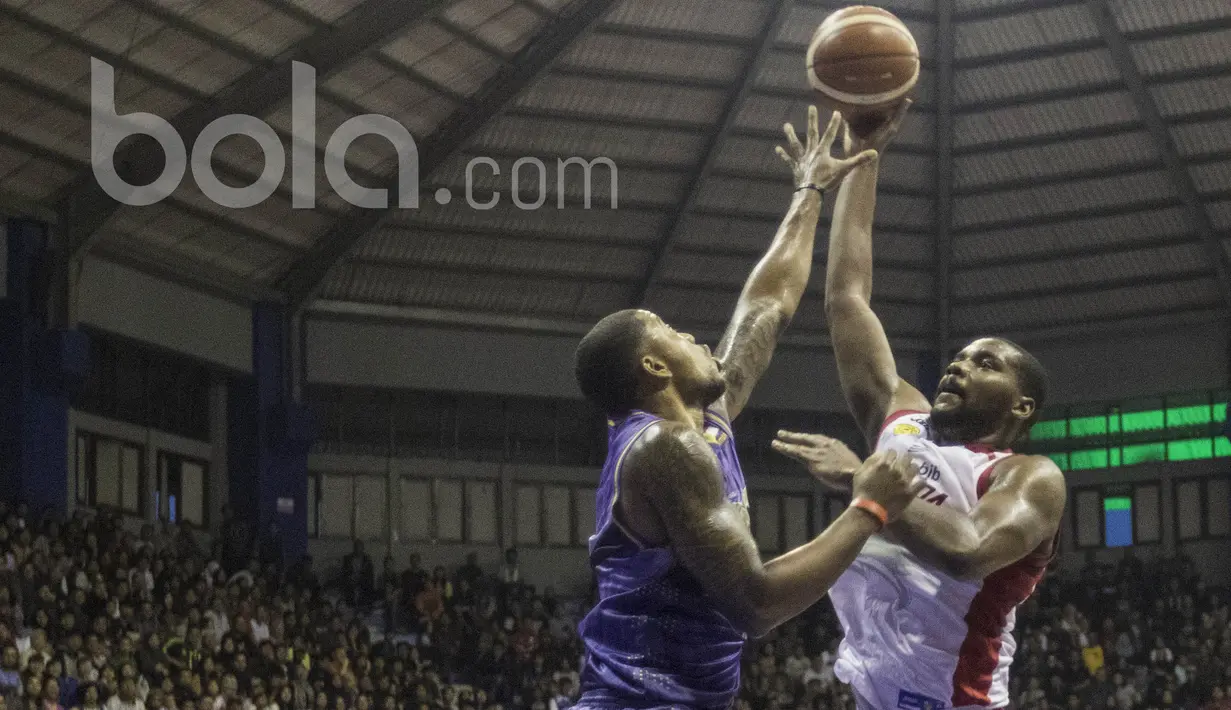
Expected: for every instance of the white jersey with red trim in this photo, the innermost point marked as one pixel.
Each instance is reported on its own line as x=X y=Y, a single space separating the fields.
x=916 y=638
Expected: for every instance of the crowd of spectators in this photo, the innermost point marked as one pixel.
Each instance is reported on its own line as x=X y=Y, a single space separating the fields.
x=92 y=616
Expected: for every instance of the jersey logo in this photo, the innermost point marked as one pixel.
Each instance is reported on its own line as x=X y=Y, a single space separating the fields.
x=914 y=701
x=929 y=494
x=907 y=430
x=715 y=435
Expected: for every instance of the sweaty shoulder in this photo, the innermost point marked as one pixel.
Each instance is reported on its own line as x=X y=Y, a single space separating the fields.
x=1037 y=481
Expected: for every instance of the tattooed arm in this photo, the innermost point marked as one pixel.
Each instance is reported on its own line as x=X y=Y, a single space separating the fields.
x=672 y=495
x=773 y=290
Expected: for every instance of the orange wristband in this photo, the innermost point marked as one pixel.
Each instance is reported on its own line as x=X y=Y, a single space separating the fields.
x=872 y=507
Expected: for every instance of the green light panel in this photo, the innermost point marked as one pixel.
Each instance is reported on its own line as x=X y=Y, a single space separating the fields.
x=1053 y=429
x=1190 y=450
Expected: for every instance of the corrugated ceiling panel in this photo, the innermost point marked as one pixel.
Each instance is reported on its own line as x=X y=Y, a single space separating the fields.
x=657 y=57
x=598 y=223
x=1220 y=213
x=64 y=14
x=1000 y=81
x=1060 y=274
x=1044 y=312
x=768 y=113
x=909 y=170
x=1200 y=138
x=459 y=66
x=728 y=273
x=417 y=43
x=427 y=249
x=274 y=216
x=736 y=18
x=899 y=320
x=117 y=28
x=328 y=10
x=1036 y=202
x=385 y=92
x=420 y=287
x=1180 y=53
x=49 y=125
x=368 y=152
x=511 y=30
x=803 y=20
x=766 y=198
x=1044 y=160
x=702 y=232
x=1024 y=30
x=250 y=23
x=639 y=186
x=625 y=99
x=688 y=308
x=899 y=210
x=32 y=178
x=1133 y=15
x=1092 y=233
x=1043 y=118
x=1214 y=177
x=189 y=60
x=1189 y=97
x=534 y=136
x=468 y=14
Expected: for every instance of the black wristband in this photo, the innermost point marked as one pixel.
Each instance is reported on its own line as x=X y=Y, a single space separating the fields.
x=810 y=186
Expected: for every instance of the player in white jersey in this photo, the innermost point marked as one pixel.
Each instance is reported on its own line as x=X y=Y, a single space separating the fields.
x=928 y=607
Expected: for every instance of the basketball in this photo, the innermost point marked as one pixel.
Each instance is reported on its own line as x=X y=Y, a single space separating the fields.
x=862 y=59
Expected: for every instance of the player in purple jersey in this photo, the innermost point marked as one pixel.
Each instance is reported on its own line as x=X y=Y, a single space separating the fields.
x=681 y=584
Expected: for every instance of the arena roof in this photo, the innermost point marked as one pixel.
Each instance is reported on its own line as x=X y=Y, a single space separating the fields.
x=1067 y=165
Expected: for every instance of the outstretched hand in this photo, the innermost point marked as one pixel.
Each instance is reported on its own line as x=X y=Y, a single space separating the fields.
x=828 y=460
x=814 y=163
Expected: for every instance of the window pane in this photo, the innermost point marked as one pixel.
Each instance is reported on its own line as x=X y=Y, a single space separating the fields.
x=526 y=507
x=1188 y=509
x=1118 y=521
x=416 y=510
x=1218 y=506
x=557 y=504
x=192 y=492
x=130 y=470
x=1142 y=453
x=1142 y=421
x=584 y=511
x=1054 y=429
x=795 y=521
x=1088 y=426
x=1090 y=458
x=370 y=507
x=765 y=516
x=1190 y=449
x=448 y=510
x=1089 y=518
x=337 y=505
x=481 y=515
x=1145 y=509
x=1062 y=460
x=1222 y=446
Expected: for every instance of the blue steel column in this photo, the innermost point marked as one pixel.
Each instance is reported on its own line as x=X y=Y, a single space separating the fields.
x=40 y=367
x=269 y=436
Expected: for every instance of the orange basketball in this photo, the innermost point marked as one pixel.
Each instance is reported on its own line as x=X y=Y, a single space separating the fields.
x=861 y=59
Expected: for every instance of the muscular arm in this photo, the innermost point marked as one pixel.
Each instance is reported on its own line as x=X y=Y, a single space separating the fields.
x=1019 y=512
x=866 y=368
x=768 y=302
x=675 y=479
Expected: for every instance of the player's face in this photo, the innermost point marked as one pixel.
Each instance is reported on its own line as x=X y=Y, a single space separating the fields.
x=979 y=389
x=695 y=371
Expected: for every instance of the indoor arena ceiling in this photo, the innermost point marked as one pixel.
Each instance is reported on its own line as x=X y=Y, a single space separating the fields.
x=1067 y=165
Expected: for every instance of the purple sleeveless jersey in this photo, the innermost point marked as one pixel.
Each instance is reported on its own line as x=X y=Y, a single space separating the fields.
x=654 y=640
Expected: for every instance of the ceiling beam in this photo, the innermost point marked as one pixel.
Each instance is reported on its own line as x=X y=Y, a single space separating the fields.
x=946 y=47
x=986 y=297
x=87 y=206
x=775 y=16
x=1199 y=219
x=1085 y=132
x=305 y=277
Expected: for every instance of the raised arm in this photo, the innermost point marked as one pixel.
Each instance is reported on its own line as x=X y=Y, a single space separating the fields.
x=774 y=288
x=1020 y=511
x=866 y=368
x=674 y=487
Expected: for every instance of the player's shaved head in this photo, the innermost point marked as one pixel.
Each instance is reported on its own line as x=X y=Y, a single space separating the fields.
x=606 y=361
